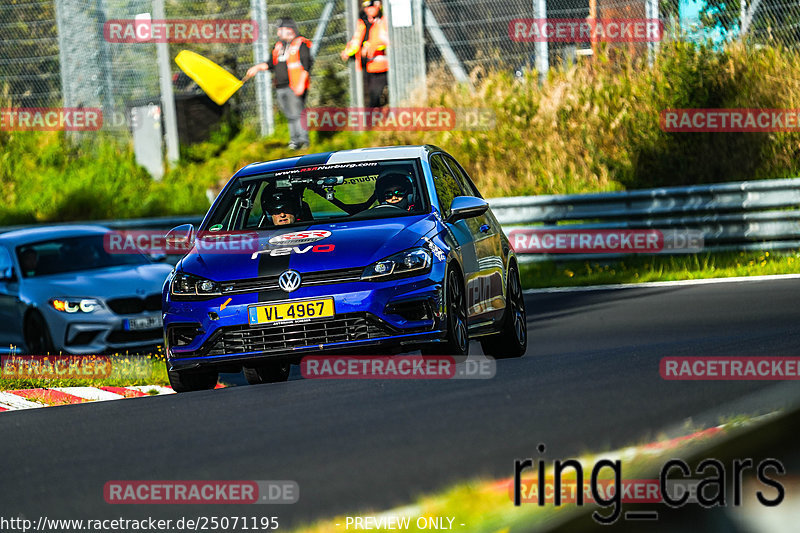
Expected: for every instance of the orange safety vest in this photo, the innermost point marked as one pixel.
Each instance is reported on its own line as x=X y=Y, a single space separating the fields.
x=298 y=76
x=377 y=60
x=353 y=47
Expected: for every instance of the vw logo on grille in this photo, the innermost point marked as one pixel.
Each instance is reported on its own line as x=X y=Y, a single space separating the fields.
x=289 y=280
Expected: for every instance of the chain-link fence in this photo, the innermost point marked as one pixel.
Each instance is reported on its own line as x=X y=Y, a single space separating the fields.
x=53 y=52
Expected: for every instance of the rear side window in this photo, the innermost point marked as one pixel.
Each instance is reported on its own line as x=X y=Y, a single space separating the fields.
x=446 y=185
x=463 y=179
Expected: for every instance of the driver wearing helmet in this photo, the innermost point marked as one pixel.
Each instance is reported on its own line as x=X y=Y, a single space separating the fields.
x=284 y=207
x=395 y=188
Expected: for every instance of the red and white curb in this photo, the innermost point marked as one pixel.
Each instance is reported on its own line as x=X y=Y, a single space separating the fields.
x=14 y=400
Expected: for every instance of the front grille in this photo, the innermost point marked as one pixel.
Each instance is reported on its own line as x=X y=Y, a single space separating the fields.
x=142 y=335
x=267 y=283
x=133 y=305
x=342 y=328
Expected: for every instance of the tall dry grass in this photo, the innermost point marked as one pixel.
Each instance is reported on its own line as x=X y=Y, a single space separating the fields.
x=595 y=126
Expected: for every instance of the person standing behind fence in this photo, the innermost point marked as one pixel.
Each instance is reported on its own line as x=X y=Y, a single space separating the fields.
x=353 y=47
x=374 y=50
x=291 y=66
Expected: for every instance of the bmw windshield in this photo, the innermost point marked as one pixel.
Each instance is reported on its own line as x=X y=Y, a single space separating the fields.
x=72 y=254
x=320 y=194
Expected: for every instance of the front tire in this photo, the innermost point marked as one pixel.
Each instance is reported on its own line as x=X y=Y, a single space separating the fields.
x=273 y=372
x=37 y=335
x=192 y=380
x=512 y=340
x=457 y=339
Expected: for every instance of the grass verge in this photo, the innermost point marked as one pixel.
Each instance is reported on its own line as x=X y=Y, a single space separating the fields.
x=639 y=269
x=126 y=370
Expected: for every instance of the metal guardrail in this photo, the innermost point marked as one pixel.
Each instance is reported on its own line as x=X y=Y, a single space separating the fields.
x=762 y=215
x=165 y=223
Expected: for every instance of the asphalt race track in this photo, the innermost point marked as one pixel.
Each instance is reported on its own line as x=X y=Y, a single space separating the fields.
x=590 y=381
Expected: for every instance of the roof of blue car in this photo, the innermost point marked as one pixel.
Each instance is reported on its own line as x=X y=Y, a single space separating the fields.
x=41 y=233
x=341 y=156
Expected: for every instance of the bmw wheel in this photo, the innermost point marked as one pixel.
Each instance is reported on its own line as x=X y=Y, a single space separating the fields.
x=37 y=336
x=512 y=340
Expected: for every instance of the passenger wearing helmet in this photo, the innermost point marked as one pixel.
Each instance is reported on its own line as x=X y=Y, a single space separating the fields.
x=284 y=207
x=395 y=188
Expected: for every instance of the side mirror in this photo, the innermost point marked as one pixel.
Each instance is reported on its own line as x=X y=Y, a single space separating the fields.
x=466 y=207
x=7 y=274
x=180 y=238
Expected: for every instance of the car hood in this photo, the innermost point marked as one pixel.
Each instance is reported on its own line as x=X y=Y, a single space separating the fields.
x=105 y=283
x=348 y=245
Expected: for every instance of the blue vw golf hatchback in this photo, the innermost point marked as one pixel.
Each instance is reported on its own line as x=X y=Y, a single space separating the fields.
x=377 y=250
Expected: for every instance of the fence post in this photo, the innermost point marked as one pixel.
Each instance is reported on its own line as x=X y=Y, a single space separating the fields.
x=542 y=49
x=356 y=76
x=263 y=81
x=322 y=25
x=165 y=82
x=651 y=12
x=406 y=51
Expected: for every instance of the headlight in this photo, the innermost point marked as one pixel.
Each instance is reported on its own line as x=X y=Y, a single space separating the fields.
x=75 y=305
x=188 y=285
x=414 y=261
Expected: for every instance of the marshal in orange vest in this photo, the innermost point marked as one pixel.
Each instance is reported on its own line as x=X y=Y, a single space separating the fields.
x=375 y=46
x=298 y=76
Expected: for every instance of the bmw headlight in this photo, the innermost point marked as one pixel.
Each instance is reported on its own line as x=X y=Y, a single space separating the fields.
x=75 y=305
x=409 y=262
x=184 y=284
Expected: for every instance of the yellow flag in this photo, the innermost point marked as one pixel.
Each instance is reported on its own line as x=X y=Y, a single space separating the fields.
x=218 y=83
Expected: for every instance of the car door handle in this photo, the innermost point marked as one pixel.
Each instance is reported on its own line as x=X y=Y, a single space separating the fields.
x=484 y=229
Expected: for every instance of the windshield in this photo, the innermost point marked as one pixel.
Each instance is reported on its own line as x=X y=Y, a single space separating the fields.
x=71 y=254
x=318 y=194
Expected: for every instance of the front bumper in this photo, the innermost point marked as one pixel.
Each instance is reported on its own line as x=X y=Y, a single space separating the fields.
x=377 y=317
x=101 y=332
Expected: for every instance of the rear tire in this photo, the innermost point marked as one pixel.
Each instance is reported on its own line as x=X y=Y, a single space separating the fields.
x=512 y=340
x=192 y=380
x=457 y=339
x=37 y=335
x=273 y=372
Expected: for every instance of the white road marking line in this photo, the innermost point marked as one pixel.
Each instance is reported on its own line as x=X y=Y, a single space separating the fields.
x=13 y=402
x=89 y=393
x=652 y=284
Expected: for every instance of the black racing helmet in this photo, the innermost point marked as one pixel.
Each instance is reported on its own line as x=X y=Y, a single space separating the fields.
x=395 y=182
x=281 y=201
